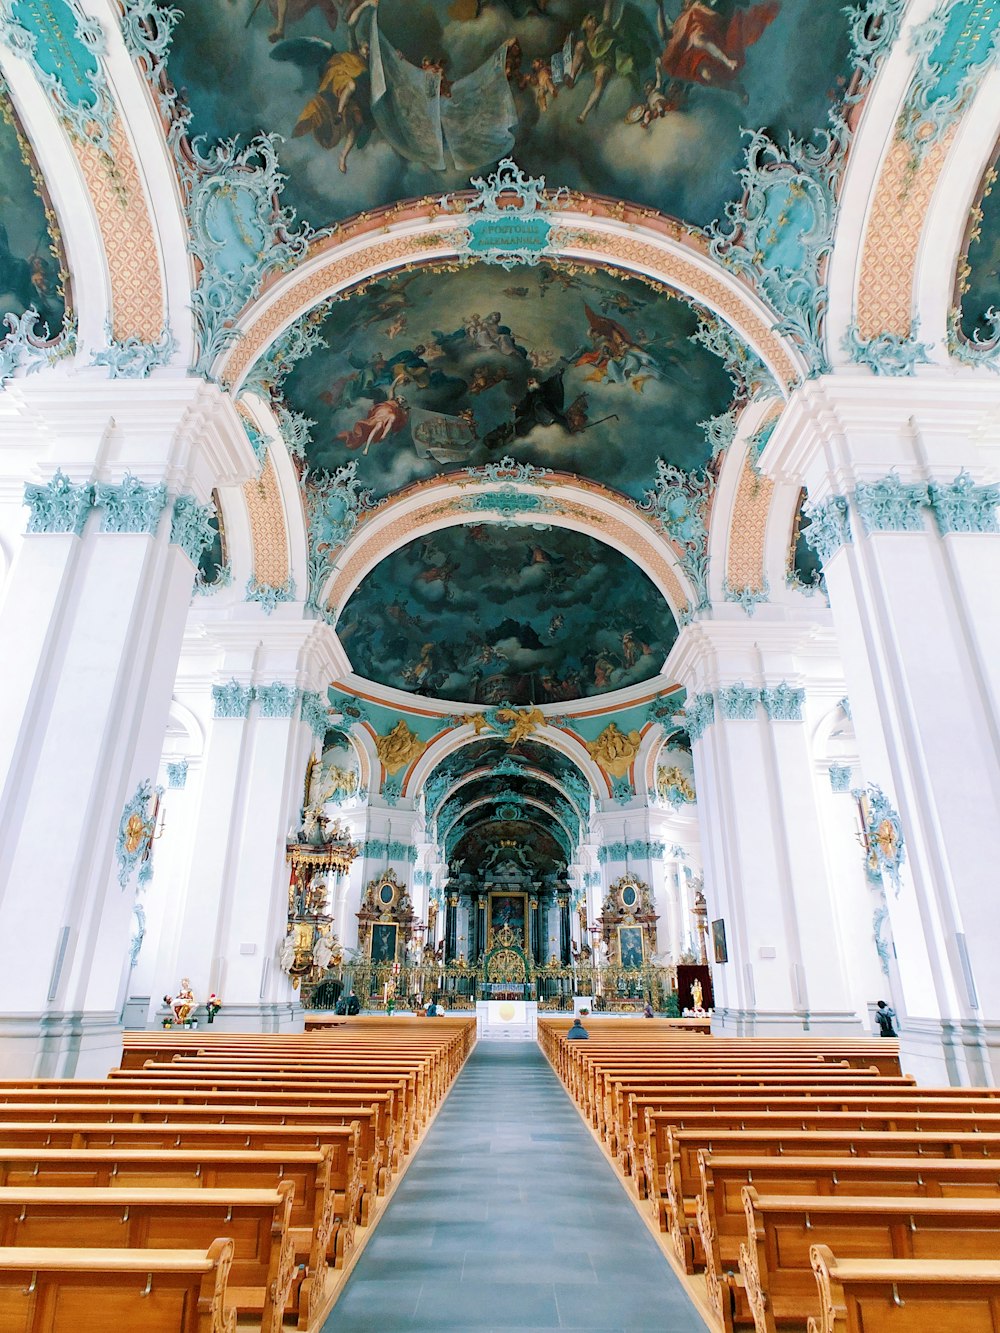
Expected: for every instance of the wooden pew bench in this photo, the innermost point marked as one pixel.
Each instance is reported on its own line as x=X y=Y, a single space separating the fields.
x=257 y=1221
x=775 y=1261
x=374 y=1147
x=75 y=1290
x=322 y=1219
x=679 y=1181
x=721 y=1216
x=905 y=1295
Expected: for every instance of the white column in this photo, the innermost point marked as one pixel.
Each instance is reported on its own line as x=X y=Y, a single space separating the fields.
x=90 y=631
x=906 y=523
x=258 y=742
x=765 y=871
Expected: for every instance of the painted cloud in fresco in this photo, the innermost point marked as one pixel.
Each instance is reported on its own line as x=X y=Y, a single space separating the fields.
x=381 y=100
x=483 y=613
x=30 y=270
x=429 y=372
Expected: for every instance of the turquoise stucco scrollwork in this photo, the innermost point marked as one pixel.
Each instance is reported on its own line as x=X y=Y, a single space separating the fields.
x=177 y=774
x=739 y=702
x=277 y=700
x=962 y=506
x=699 y=714
x=191 y=526
x=24 y=349
x=131 y=358
x=891 y=505
x=783 y=702
x=829 y=526
x=887 y=353
x=315 y=712
x=840 y=778
x=269 y=595
x=747 y=597
x=231 y=700
x=335 y=502
x=135 y=830
x=679 y=504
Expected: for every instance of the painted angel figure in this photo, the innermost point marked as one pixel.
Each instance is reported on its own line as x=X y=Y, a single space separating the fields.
x=293 y=11
x=708 y=46
x=611 y=45
x=340 y=110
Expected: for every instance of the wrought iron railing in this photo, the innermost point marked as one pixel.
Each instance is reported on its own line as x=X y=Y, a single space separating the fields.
x=614 y=989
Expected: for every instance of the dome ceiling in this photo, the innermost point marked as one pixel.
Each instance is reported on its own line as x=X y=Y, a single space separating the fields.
x=485 y=613
x=32 y=270
x=581 y=372
x=382 y=100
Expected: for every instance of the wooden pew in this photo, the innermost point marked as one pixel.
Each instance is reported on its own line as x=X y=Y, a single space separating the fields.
x=721 y=1216
x=257 y=1222
x=679 y=1183
x=905 y=1295
x=775 y=1261
x=251 y=1121
x=80 y=1290
x=322 y=1221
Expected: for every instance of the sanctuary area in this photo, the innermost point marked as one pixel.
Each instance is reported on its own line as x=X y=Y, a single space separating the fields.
x=498 y=524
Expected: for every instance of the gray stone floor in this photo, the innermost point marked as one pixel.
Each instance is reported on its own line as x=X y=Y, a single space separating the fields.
x=510 y=1218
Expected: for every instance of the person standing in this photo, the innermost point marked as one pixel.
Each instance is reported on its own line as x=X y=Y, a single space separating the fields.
x=884 y=1017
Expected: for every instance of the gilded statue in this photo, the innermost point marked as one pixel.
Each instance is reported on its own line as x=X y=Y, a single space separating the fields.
x=399 y=748
x=512 y=725
x=614 y=750
x=672 y=783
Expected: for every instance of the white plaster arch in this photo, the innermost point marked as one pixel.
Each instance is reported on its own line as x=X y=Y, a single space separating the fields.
x=863 y=170
x=158 y=175
x=586 y=509
x=378 y=247
x=527 y=800
x=442 y=747
x=90 y=281
x=478 y=774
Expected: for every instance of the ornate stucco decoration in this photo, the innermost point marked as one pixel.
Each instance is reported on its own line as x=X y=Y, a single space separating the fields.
x=335 y=502
x=885 y=849
x=640 y=851
x=269 y=594
x=744 y=367
x=135 y=830
x=887 y=353
x=747 y=597
x=699 y=714
x=232 y=699
x=23 y=349
x=890 y=505
x=191 y=526
x=982 y=349
x=882 y=946
x=130 y=506
x=58 y=505
x=131 y=358
x=739 y=702
x=511 y=724
x=315 y=712
x=679 y=504
x=829 y=527
x=840 y=778
x=518 y=231
x=614 y=750
x=277 y=700
x=177 y=774
x=390 y=850
x=783 y=702
x=674 y=786
x=962 y=506
x=510 y=505
x=399 y=747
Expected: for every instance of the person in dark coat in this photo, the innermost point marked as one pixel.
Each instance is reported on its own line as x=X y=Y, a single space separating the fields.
x=577 y=1032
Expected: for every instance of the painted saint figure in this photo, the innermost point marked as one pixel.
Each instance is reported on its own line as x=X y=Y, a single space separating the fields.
x=384 y=419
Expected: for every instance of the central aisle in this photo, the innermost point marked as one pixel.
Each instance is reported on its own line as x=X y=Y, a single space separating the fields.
x=511 y=1218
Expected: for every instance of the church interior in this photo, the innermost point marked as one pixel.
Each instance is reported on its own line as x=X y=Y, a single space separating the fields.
x=500 y=662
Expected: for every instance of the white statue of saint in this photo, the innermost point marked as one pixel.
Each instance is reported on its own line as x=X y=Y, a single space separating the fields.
x=286 y=955
x=322 y=951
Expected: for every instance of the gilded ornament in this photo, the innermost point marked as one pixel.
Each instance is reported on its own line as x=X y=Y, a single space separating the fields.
x=614 y=750
x=399 y=748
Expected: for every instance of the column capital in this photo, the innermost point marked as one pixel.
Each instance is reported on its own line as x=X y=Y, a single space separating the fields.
x=844 y=430
x=710 y=654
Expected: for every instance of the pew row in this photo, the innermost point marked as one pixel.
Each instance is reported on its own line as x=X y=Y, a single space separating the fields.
x=905 y=1295
x=82 y=1290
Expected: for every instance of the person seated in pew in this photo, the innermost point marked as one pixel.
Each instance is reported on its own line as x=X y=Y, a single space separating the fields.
x=577 y=1032
x=434 y=1010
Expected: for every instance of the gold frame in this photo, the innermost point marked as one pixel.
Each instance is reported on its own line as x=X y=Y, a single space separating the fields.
x=642 y=940
x=383 y=962
x=505 y=893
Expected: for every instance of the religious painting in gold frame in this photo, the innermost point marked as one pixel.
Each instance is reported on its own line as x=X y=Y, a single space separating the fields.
x=631 y=947
x=385 y=935
x=508 y=909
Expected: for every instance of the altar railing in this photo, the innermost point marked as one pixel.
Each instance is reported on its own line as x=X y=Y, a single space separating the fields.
x=614 y=989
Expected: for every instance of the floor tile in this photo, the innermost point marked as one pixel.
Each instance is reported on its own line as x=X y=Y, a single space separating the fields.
x=511 y=1219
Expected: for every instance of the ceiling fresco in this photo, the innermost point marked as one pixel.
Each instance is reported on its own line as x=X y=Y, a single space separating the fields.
x=475 y=839
x=32 y=272
x=382 y=100
x=576 y=371
x=979 y=275
x=483 y=613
